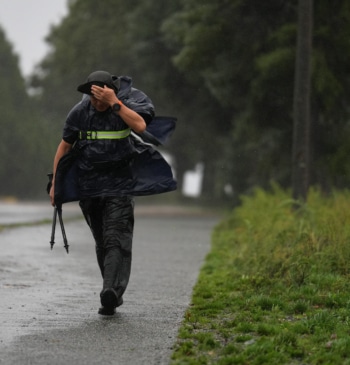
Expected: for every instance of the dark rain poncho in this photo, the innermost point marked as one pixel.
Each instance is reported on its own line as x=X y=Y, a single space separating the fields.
x=107 y=167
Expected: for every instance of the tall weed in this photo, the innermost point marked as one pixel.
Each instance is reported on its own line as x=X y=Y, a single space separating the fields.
x=271 y=240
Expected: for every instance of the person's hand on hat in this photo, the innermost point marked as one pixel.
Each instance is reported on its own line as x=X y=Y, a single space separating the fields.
x=104 y=94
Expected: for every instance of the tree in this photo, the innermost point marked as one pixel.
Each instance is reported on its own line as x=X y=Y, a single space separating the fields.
x=302 y=91
x=23 y=140
x=247 y=58
x=241 y=52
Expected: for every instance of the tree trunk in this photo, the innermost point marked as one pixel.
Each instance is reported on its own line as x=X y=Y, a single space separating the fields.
x=301 y=107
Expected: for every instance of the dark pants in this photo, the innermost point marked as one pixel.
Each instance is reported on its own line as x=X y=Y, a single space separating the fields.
x=111 y=220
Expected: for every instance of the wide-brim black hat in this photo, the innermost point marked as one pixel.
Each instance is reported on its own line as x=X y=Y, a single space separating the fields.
x=99 y=78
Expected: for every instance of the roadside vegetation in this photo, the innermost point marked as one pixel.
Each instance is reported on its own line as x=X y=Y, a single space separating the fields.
x=275 y=287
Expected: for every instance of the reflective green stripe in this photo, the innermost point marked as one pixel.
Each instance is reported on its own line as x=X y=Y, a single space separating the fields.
x=104 y=134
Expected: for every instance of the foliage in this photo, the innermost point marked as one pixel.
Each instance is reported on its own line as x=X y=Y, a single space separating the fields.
x=246 y=58
x=273 y=289
x=23 y=143
x=91 y=37
x=295 y=243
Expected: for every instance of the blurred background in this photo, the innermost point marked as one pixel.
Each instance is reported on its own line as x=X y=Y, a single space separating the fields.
x=224 y=68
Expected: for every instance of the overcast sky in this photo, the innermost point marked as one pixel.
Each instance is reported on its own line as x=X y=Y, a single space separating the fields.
x=26 y=23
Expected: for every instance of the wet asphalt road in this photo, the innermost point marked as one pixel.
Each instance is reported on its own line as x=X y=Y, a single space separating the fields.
x=49 y=300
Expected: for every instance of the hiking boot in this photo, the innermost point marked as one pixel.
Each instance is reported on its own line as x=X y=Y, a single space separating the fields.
x=109 y=298
x=109 y=301
x=105 y=311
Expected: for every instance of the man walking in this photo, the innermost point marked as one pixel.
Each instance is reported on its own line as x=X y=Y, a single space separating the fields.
x=99 y=129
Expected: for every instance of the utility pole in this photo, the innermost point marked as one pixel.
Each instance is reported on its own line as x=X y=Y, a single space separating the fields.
x=301 y=102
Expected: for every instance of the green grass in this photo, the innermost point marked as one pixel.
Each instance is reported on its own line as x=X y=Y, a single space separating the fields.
x=275 y=287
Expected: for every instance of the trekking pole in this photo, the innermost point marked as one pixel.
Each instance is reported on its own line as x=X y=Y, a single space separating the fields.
x=66 y=246
x=52 y=242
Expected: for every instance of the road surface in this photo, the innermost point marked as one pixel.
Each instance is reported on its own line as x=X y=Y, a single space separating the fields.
x=49 y=300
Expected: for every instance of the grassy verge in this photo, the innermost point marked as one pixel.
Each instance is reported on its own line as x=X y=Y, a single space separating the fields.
x=275 y=287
